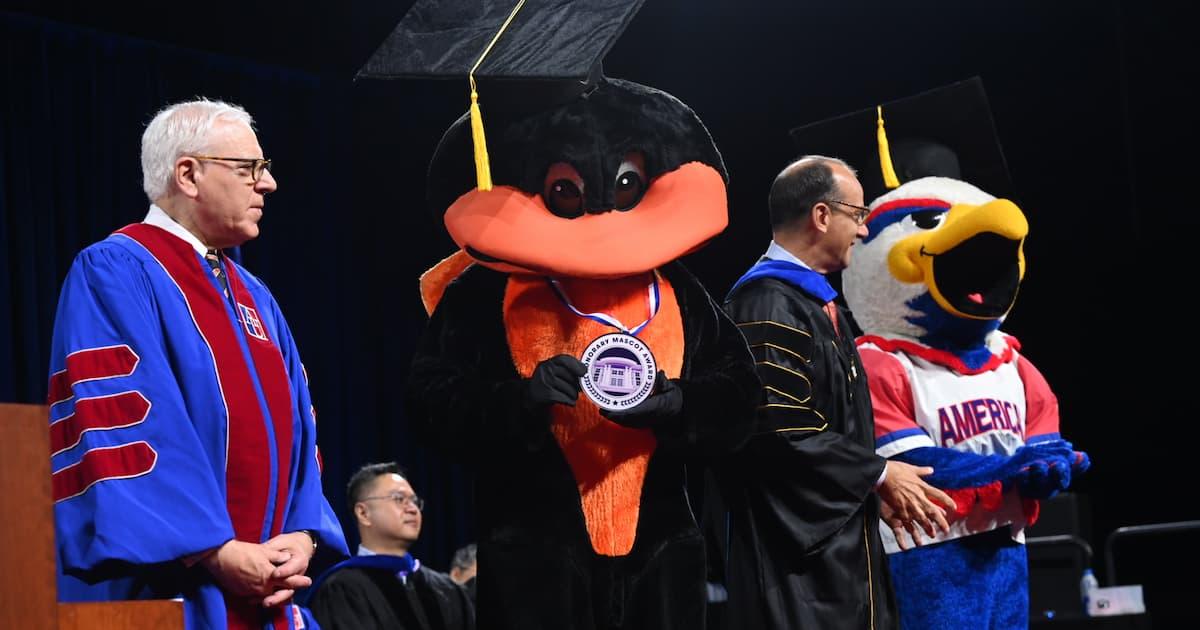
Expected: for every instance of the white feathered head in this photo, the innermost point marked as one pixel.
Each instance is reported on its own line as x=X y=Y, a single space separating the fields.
x=941 y=264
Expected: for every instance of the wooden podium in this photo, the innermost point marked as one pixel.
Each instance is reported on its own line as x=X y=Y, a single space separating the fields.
x=28 y=587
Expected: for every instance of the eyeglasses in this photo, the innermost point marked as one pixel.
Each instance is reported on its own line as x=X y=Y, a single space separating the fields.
x=400 y=498
x=859 y=217
x=256 y=165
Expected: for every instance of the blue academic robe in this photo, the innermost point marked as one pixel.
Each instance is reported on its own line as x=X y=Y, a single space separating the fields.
x=180 y=419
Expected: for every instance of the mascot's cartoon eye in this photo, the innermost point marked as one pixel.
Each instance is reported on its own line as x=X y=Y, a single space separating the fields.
x=928 y=219
x=563 y=191
x=631 y=182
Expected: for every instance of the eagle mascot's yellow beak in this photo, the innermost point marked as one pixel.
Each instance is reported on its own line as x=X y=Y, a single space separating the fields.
x=942 y=258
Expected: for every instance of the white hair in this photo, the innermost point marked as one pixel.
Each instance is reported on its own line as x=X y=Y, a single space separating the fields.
x=178 y=130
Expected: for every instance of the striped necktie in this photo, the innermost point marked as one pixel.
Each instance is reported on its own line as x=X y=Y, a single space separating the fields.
x=213 y=257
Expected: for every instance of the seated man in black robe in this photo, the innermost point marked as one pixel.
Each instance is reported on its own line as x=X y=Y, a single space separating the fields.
x=385 y=587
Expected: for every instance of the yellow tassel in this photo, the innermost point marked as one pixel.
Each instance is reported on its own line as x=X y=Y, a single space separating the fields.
x=483 y=170
x=885 y=156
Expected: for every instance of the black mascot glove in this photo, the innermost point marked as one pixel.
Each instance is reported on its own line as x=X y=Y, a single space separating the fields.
x=555 y=380
x=662 y=406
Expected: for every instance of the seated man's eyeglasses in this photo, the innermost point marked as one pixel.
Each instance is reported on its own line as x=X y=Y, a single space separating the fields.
x=859 y=215
x=401 y=498
x=256 y=165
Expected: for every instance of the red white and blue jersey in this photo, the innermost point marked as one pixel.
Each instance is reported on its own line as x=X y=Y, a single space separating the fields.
x=924 y=397
x=180 y=419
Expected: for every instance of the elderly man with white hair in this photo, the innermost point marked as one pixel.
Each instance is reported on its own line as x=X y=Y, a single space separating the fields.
x=182 y=432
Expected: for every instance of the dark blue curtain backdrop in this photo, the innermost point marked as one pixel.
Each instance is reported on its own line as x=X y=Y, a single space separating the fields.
x=1090 y=101
x=76 y=102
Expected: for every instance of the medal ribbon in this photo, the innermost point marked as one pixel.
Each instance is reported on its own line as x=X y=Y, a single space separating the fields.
x=605 y=318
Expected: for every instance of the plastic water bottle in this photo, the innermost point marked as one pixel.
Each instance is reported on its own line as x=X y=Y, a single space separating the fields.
x=1087 y=584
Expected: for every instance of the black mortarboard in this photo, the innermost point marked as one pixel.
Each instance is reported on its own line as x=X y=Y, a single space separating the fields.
x=550 y=50
x=527 y=55
x=540 y=79
x=947 y=131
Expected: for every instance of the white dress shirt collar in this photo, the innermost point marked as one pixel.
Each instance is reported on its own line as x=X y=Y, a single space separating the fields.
x=159 y=218
x=777 y=252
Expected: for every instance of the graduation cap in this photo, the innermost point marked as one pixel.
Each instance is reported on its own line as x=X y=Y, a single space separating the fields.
x=946 y=132
x=526 y=54
x=533 y=69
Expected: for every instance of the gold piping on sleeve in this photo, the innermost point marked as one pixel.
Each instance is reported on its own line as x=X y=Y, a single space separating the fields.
x=786 y=395
x=776 y=365
x=766 y=344
x=797 y=408
x=789 y=371
x=767 y=321
x=820 y=428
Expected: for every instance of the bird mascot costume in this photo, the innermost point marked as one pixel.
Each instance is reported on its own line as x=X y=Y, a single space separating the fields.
x=568 y=351
x=930 y=286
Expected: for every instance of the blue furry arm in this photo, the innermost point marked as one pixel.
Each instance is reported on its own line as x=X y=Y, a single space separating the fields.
x=954 y=469
x=958 y=469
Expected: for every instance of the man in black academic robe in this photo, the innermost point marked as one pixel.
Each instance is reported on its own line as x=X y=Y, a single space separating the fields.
x=384 y=587
x=800 y=503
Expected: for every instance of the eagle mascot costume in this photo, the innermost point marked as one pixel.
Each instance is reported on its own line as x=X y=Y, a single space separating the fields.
x=930 y=287
x=568 y=351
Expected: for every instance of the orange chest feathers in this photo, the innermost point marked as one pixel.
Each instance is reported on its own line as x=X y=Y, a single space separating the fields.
x=608 y=461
